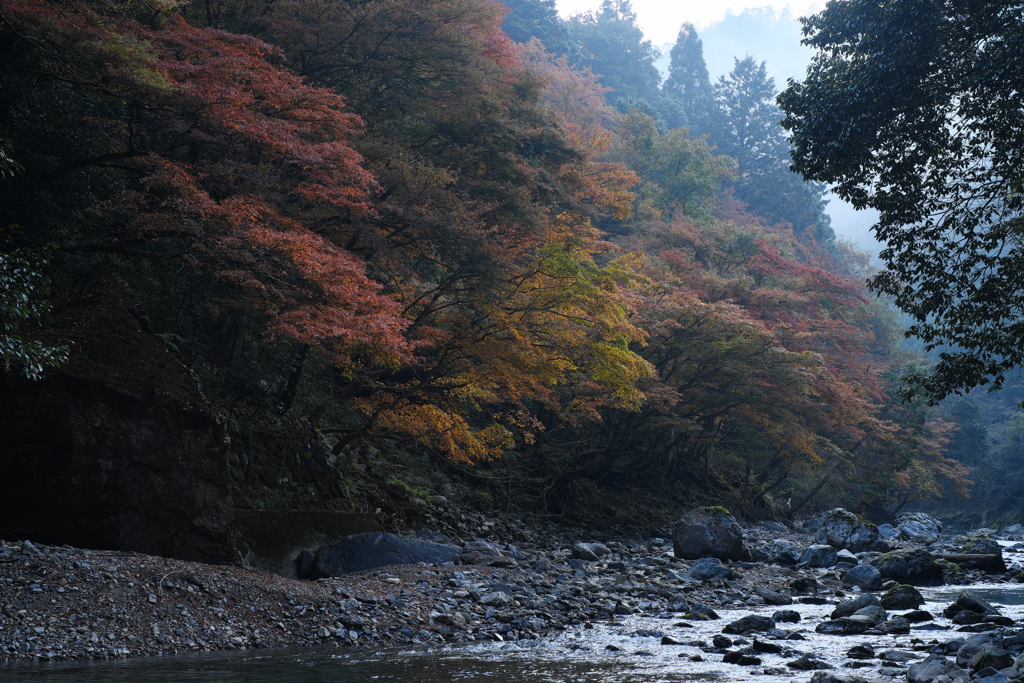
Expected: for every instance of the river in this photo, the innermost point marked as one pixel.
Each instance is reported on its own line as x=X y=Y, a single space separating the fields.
x=628 y=649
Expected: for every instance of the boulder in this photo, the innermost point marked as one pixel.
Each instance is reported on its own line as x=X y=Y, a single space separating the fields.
x=899 y=656
x=849 y=607
x=932 y=667
x=969 y=602
x=833 y=677
x=875 y=614
x=751 y=622
x=846 y=556
x=589 y=551
x=808 y=663
x=917 y=616
x=483 y=553
x=863 y=651
x=896 y=625
x=918 y=527
x=865 y=577
x=841 y=529
x=983 y=553
x=990 y=655
x=844 y=626
x=709 y=569
x=887 y=532
x=820 y=555
x=977 y=544
x=378 y=549
x=771 y=597
x=786 y=616
x=973 y=645
x=783 y=551
x=902 y=597
x=774 y=527
x=708 y=532
x=916 y=567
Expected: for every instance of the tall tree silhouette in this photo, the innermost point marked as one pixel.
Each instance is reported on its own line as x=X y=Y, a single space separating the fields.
x=690 y=99
x=751 y=134
x=610 y=43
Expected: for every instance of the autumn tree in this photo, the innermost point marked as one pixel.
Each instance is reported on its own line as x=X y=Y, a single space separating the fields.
x=481 y=227
x=193 y=148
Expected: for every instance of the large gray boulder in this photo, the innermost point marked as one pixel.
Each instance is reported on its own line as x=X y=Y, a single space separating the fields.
x=710 y=569
x=863 y=576
x=820 y=555
x=479 y=551
x=848 y=608
x=589 y=551
x=749 y=623
x=915 y=567
x=841 y=529
x=784 y=551
x=973 y=645
x=918 y=527
x=708 y=532
x=902 y=596
x=933 y=667
x=378 y=549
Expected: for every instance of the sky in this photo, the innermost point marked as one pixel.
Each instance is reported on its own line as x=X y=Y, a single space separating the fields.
x=661 y=19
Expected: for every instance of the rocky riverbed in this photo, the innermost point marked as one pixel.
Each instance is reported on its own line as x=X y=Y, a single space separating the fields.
x=772 y=613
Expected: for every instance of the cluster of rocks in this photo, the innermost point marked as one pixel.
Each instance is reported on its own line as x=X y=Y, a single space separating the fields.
x=500 y=581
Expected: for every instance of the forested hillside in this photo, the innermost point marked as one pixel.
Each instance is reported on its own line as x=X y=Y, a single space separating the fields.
x=345 y=255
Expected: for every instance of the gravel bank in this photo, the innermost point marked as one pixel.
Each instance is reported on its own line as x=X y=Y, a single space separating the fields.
x=60 y=603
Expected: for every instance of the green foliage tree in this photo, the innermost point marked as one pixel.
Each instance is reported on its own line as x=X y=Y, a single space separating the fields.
x=611 y=44
x=917 y=110
x=751 y=134
x=23 y=288
x=689 y=96
x=528 y=19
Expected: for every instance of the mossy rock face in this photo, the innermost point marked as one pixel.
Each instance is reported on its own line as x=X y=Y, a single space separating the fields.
x=842 y=529
x=915 y=567
x=952 y=573
x=979 y=545
x=902 y=597
x=717 y=510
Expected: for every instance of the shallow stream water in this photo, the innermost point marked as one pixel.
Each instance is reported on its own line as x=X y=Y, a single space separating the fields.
x=580 y=655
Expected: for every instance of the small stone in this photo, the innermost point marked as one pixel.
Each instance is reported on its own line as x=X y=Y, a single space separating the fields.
x=751 y=622
x=787 y=616
x=721 y=642
x=863 y=651
x=808 y=663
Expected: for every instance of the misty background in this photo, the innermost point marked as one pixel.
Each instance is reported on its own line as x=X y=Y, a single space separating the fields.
x=773 y=36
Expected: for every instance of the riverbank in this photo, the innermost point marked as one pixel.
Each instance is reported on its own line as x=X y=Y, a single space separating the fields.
x=61 y=603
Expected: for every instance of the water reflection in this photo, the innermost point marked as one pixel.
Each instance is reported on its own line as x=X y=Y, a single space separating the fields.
x=488 y=664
